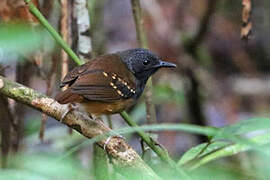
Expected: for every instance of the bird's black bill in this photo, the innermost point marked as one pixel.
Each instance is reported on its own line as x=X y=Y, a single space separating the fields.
x=165 y=64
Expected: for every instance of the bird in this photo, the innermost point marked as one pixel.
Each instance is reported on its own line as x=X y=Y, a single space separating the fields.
x=110 y=83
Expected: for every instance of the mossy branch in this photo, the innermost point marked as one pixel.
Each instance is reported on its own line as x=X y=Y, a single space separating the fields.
x=123 y=156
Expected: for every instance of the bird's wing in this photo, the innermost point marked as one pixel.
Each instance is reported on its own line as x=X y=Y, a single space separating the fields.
x=71 y=76
x=104 y=79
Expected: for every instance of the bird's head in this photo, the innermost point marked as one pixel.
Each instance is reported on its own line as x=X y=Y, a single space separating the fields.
x=143 y=63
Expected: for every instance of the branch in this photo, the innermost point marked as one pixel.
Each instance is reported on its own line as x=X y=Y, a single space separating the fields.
x=141 y=39
x=137 y=16
x=123 y=156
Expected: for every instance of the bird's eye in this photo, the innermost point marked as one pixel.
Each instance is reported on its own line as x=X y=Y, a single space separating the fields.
x=146 y=62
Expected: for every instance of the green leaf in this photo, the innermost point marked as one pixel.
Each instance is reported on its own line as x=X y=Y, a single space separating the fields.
x=244 y=127
x=46 y=164
x=219 y=149
x=201 y=150
x=227 y=150
x=218 y=172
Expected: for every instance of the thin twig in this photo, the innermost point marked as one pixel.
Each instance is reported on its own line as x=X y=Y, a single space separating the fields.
x=141 y=39
x=150 y=107
x=65 y=32
x=137 y=16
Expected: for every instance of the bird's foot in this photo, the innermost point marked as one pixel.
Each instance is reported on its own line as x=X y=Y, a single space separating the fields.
x=109 y=139
x=157 y=143
x=70 y=108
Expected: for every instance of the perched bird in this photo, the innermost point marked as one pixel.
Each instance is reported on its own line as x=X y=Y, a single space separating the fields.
x=110 y=83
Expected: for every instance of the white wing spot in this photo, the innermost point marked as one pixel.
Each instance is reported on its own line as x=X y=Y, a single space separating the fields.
x=120 y=93
x=105 y=74
x=114 y=76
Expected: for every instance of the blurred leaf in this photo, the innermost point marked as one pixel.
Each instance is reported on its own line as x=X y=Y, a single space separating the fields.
x=32 y=125
x=19 y=39
x=220 y=148
x=226 y=150
x=219 y=172
x=244 y=127
x=201 y=150
x=21 y=175
x=48 y=166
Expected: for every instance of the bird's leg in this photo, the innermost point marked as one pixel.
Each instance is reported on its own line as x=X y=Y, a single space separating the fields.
x=113 y=134
x=70 y=108
x=107 y=142
x=144 y=147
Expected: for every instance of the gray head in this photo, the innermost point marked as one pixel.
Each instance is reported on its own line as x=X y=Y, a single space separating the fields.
x=142 y=62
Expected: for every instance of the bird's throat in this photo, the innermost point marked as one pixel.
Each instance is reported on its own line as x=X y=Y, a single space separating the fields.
x=140 y=85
